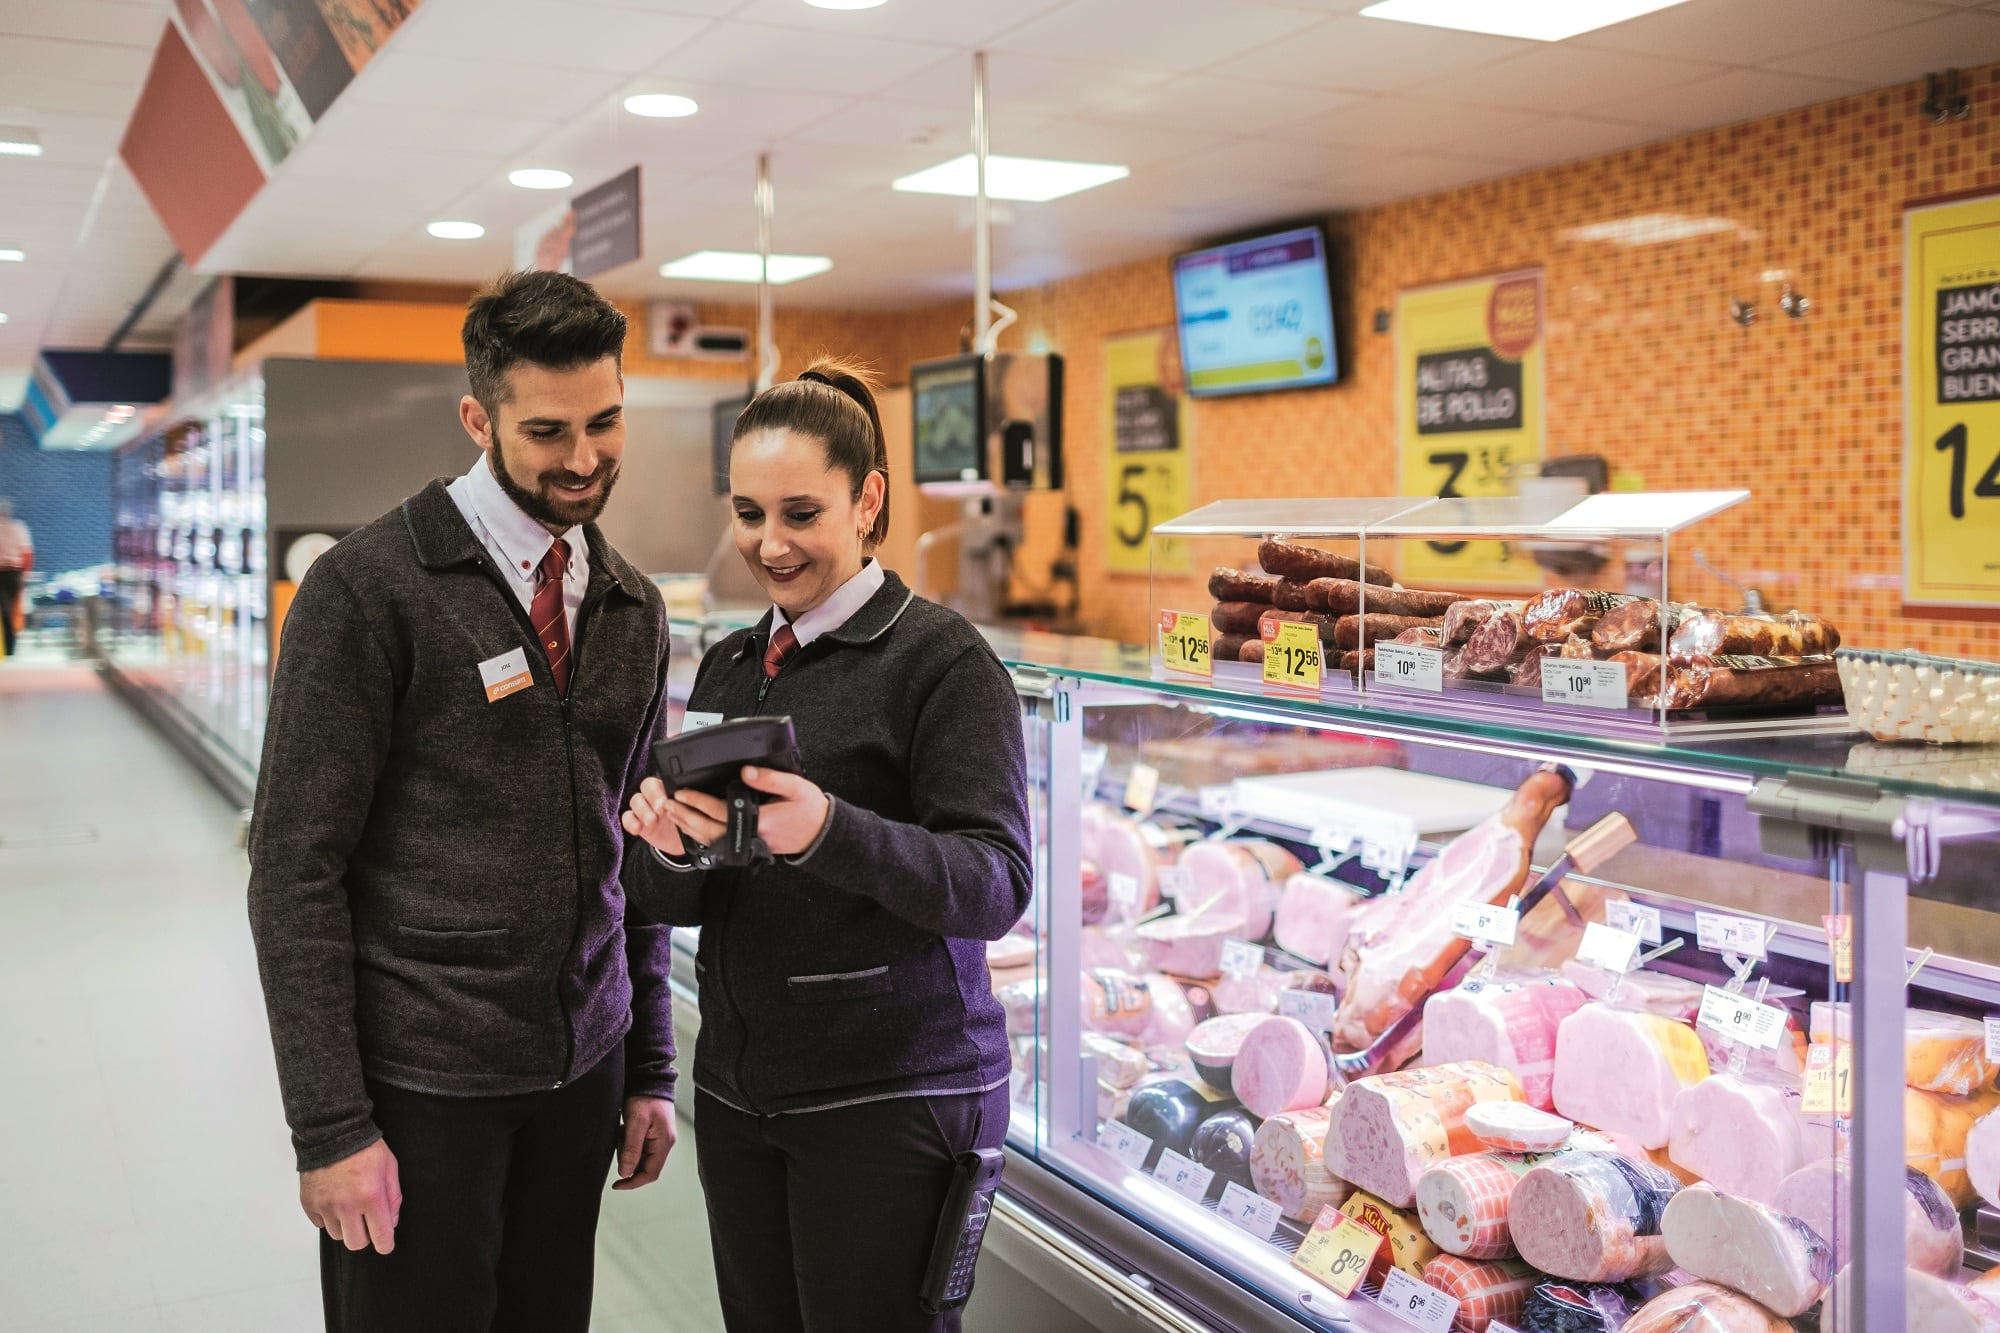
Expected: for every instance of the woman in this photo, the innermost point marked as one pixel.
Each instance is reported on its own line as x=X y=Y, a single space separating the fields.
x=851 y=1047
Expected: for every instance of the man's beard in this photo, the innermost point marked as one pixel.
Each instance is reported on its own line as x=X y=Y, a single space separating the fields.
x=545 y=504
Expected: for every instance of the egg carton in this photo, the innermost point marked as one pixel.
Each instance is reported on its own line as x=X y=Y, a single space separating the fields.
x=1915 y=696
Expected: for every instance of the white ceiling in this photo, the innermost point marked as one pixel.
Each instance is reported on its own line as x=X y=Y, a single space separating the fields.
x=1228 y=112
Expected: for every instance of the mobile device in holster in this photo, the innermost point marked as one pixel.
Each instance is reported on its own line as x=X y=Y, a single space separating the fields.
x=712 y=760
x=948 y=1280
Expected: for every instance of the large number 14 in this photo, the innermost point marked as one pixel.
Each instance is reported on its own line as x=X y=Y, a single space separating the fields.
x=1955 y=442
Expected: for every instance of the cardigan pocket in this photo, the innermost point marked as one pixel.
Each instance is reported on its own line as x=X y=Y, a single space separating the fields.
x=829 y=986
x=451 y=946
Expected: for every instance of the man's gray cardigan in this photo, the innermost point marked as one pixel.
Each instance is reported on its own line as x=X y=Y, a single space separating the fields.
x=435 y=879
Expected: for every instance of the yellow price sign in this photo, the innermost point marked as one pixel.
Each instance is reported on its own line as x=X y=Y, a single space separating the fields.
x=1184 y=643
x=1829 y=1084
x=1291 y=654
x=1840 y=944
x=1338 y=1251
x=1142 y=789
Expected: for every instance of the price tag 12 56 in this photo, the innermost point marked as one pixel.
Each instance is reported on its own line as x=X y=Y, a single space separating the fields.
x=1184 y=643
x=1291 y=654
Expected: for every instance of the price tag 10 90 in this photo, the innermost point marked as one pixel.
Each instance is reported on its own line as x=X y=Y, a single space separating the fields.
x=1583 y=684
x=1248 y=1210
x=1417 y=1303
x=1740 y=1018
x=1184 y=643
x=1291 y=654
x=1409 y=667
x=1612 y=950
x=1183 y=1175
x=1485 y=923
x=1719 y=933
x=1125 y=1143
x=1634 y=919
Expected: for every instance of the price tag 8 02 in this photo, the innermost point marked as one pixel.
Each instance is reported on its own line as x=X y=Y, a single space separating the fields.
x=1339 y=1251
x=1184 y=643
x=1291 y=654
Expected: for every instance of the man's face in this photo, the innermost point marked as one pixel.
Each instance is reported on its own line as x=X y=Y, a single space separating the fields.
x=556 y=440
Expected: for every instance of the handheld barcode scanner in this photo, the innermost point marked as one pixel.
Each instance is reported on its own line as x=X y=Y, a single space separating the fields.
x=712 y=760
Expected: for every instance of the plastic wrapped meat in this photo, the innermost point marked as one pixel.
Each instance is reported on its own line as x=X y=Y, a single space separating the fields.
x=1592 y=1217
x=1280 y=1066
x=1313 y=917
x=1517 y=1127
x=1387 y=1130
x=1931 y=1304
x=1510 y=1019
x=1936 y=1127
x=1484 y=1291
x=1817 y=1195
x=1740 y=1136
x=1621 y=1071
x=1982 y=1157
x=1556 y=614
x=1254 y=994
x=1777 y=1261
x=1577 y=1307
x=1244 y=874
x=1189 y=946
x=1135 y=849
x=1115 y=1002
x=1462 y=618
x=1941 y=1052
x=1652 y=992
x=1462 y=1202
x=1703 y=1307
x=1287 y=1164
x=1173 y=1016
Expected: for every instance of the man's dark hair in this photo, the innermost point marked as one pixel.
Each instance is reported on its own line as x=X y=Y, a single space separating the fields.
x=545 y=319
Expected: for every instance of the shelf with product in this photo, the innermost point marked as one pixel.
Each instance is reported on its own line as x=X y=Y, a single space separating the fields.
x=1252 y=907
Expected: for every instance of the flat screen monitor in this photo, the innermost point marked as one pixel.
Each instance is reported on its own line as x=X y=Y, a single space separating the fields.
x=948 y=408
x=722 y=427
x=1256 y=314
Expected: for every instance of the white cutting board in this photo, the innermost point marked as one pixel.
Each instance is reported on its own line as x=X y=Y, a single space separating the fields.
x=1355 y=796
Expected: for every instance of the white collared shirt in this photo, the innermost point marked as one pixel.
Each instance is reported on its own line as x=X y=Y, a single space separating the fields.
x=516 y=542
x=836 y=610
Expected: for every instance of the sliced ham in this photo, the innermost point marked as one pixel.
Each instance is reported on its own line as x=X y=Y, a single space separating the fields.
x=1313 y=917
x=1388 y=1129
x=1280 y=1066
x=1241 y=876
x=1509 y=1019
x=1933 y=1241
x=1776 y=1260
x=1703 y=1307
x=1659 y=993
x=1621 y=1071
x=1287 y=1164
x=1485 y=1291
x=1741 y=1137
x=1189 y=946
x=1592 y=1217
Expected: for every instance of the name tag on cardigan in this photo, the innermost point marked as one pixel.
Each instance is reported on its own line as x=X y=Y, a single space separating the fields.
x=506 y=674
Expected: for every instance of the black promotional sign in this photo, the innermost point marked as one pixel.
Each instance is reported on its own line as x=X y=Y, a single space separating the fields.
x=1968 y=344
x=1148 y=419
x=607 y=226
x=1467 y=389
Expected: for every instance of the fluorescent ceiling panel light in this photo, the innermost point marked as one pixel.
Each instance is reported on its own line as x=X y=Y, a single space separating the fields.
x=12 y=256
x=449 y=229
x=742 y=266
x=661 y=106
x=1033 y=180
x=1651 y=229
x=3 y=318
x=541 y=178
x=845 y=4
x=18 y=141
x=1535 y=20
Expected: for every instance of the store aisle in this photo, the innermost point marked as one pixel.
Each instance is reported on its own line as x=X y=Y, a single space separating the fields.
x=146 y=1182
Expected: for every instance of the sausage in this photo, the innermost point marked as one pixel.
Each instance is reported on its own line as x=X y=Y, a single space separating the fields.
x=1228 y=647
x=1324 y=623
x=1279 y=1067
x=1352 y=661
x=1717 y=681
x=1635 y=626
x=1526 y=670
x=1793 y=634
x=1554 y=615
x=1305 y=563
x=1388 y=1129
x=1642 y=674
x=1228 y=584
x=1466 y=616
x=1237 y=617
x=1290 y=595
x=1423 y=636
x=1592 y=1217
x=1251 y=651
x=1495 y=645
x=1343 y=597
x=1362 y=631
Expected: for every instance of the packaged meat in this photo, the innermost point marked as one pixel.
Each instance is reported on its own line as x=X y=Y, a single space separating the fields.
x=1423 y=636
x=1226 y=584
x=1306 y=563
x=1517 y=1127
x=1982 y=1157
x=1134 y=850
x=1241 y=877
x=1115 y=1002
x=1236 y=617
x=1169 y=1111
x=1635 y=627
x=1526 y=670
x=1222 y=1144
x=1189 y=946
x=1466 y=616
x=1173 y=1017
x=1462 y=1202
x=1702 y=632
x=1495 y=645
x=1936 y=1126
x=1213 y=1046
x=1817 y=1194
x=1387 y=1129
x=1621 y=1071
x=1720 y=682
x=1642 y=674
x=1313 y=916
x=1648 y=991
x=1352 y=662
x=1485 y=1291
x=1343 y=597
x=1592 y=1217
x=1703 y=1307
x=1776 y=1260
x=1287 y=1164
x=1255 y=994
x=1510 y=1019
x=1351 y=632
x=1290 y=595
x=1554 y=615
x=1740 y=1136
x=1280 y=1066
x=1931 y=1304
x=1941 y=1052
x=1412 y=946
x=1409 y=1248
x=1577 y=1307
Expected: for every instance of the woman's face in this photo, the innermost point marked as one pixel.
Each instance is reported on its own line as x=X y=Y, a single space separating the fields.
x=798 y=525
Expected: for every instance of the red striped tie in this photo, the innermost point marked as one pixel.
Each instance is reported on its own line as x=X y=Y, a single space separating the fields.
x=783 y=644
x=546 y=611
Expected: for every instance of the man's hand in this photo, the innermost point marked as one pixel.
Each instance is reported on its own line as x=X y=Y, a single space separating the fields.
x=357 y=1200
x=649 y=1137
x=788 y=820
x=650 y=818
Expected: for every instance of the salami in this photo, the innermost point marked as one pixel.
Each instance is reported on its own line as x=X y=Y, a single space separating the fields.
x=1642 y=674
x=1251 y=651
x=1777 y=1261
x=1466 y=616
x=1352 y=662
x=1592 y=1217
x=1222 y=1144
x=1344 y=597
x=1306 y=563
x=1495 y=645
x=1280 y=1067
x=1739 y=1136
x=1702 y=633
x=1485 y=1291
x=1620 y=1071
x=1169 y=1111
x=1817 y=1194
x=1365 y=631
x=1635 y=627
x=1227 y=584
x=1423 y=636
x=1228 y=647
x=1703 y=1307
x=1510 y=1019
x=1237 y=617
x=1554 y=615
x=1715 y=682
x=1287 y=1165
x=1387 y=1130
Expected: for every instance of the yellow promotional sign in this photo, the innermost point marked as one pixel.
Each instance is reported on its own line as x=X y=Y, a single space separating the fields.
x=1145 y=451
x=1951 y=442
x=1291 y=654
x=1184 y=643
x=1338 y=1251
x=1468 y=410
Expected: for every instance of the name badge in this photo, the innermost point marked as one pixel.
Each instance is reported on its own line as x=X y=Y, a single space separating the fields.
x=506 y=674
x=695 y=721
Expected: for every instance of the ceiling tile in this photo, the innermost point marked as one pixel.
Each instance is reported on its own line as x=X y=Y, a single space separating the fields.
x=1751 y=32
x=758 y=56
x=958 y=24
x=120 y=67
x=437 y=130
x=1154 y=34
x=1561 y=77
x=1204 y=102
x=541 y=33
x=1949 y=41
x=406 y=78
x=934 y=131
x=1405 y=176
x=742 y=112
x=1034 y=86
x=1371 y=55
x=1403 y=124
x=1128 y=144
x=100 y=22
x=1724 y=99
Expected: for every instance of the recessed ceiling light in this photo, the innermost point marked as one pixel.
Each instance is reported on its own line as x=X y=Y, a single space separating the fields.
x=742 y=266
x=845 y=4
x=3 y=318
x=661 y=106
x=1536 y=20
x=1033 y=180
x=12 y=256
x=541 y=178
x=1652 y=229
x=18 y=141
x=451 y=230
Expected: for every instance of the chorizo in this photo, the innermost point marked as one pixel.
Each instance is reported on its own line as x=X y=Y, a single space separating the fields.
x=1466 y=616
x=1713 y=633
x=1290 y=595
x=1363 y=631
x=1717 y=680
x=1228 y=584
x=1237 y=617
x=1495 y=645
x=1305 y=563
x=1343 y=597
x=1554 y=615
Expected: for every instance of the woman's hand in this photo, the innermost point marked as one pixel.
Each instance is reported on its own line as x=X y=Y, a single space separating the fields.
x=789 y=820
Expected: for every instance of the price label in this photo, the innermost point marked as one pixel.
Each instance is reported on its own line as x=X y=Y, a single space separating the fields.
x=1184 y=643
x=695 y=721
x=1409 y=667
x=1291 y=654
x=1417 y=1303
x=1183 y=1175
x=1583 y=684
x=1840 y=944
x=1993 y=1038
x=1219 y=804
x=1485 y=923
x=1310 y=1007
x=1142 y=788
x=1634 y=919
x=1093 y=768
x=1740 y=935
x=1338 y=1251
x=1612 y=950
x=1740 y=1018
x=1124 y=891
x=1241 y=959
x=1125 y=1143
x=1174 y=881
x=1248 y=1210
x=1829 y=1083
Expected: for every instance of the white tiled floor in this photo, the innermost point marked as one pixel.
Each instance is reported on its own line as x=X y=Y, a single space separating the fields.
x=146 y=1183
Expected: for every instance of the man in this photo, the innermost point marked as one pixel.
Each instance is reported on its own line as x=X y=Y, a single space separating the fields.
x=468 y=1024
x=17 y=557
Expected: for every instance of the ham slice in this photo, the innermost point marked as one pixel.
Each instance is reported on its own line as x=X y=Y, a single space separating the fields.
x=1592 y=1217
x=1280 y=1066
x=1386 y=1131
x=1510 y=1020
x=1621 y=1071
x=1313 y=917
x=1287 y=1164
x=1777 y=1261
x=1739 y=1136
x=1703 y=1307
x=1933 y=1241
x=1412 y=947
x=1241 y=876
x=1485 y=1291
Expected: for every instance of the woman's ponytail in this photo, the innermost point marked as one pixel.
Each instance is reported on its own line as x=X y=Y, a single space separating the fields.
x=822 y=403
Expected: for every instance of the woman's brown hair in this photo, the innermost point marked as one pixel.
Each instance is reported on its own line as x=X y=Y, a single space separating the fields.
x=833 y=401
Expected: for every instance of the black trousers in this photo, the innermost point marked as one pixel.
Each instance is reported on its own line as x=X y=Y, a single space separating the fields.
x=499 y=1224
x=823 y=1220
x=10 y=593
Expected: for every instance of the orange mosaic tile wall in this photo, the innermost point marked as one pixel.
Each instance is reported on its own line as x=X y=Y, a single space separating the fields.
x=1644 y=363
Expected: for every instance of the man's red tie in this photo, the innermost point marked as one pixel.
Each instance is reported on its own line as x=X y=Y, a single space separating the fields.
x=783 y=644
x=546 y=611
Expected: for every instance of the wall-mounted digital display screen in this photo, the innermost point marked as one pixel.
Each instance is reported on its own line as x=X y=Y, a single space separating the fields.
x=1256 y=314
x=948 y=401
